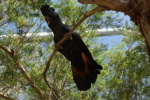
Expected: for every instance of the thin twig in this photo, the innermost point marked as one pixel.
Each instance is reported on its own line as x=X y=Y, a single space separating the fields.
x=63 y=84
x=46 y=69
x=97 y=9
x=9 y=9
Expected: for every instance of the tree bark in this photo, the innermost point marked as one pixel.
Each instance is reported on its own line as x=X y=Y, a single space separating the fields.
x=138 y=10
x=5 y=97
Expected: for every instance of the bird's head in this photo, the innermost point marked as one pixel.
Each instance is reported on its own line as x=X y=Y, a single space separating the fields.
x=49 y=13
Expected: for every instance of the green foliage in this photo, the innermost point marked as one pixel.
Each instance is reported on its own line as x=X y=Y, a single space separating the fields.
x=125 y=73
x=128 y=69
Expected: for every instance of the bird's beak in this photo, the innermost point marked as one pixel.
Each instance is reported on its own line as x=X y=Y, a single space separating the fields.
x=48 y=20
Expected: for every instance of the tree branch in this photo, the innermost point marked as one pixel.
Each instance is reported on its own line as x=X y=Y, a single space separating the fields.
x=21 y=68
x=46 y=69
x=97 y=9
x=5 y=97
x=6 y=50
x=112 y=4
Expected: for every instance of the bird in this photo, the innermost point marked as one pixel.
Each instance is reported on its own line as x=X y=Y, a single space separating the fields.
x=84 y=68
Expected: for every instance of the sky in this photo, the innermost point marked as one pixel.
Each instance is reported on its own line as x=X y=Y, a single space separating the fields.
x=115 y=39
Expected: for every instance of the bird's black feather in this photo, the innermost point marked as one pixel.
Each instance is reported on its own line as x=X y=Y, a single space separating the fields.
x=84 y=68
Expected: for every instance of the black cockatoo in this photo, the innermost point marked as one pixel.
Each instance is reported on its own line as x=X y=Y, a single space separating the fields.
x=84 y=68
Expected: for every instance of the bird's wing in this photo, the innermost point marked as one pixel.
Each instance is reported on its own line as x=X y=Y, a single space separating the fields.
x=79 y=41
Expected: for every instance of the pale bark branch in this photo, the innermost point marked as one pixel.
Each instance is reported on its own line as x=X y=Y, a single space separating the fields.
x=112 y=4
x=5 y=97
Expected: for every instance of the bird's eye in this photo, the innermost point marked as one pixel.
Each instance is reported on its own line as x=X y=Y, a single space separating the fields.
x=52 y=9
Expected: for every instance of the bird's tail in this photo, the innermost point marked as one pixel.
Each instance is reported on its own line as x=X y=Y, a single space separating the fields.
x=84 y=78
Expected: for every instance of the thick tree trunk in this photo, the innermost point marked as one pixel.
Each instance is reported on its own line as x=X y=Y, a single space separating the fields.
x=138 y=10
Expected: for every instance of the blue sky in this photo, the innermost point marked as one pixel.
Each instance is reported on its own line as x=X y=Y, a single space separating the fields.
x=115 y=39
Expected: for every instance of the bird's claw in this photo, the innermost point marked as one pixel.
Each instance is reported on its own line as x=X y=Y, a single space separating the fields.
x=56 y=46
x=68 y=35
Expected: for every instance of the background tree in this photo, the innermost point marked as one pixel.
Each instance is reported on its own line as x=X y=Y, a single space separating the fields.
x=22 y=58
x=127 y=65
